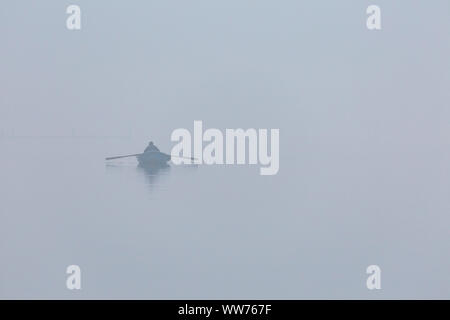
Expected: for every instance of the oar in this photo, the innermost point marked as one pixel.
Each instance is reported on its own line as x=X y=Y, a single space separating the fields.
x=138 y=154
x=188 y=158
x=118 y=157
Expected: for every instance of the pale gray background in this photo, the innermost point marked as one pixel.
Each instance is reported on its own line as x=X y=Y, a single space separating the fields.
x=364 y=169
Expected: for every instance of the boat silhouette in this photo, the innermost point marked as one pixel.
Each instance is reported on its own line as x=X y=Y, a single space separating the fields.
x=150 y=158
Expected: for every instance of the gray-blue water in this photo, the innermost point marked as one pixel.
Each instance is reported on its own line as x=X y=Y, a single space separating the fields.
x=219 y=231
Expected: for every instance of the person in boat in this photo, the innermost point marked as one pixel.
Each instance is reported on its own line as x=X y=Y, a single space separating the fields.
x=151 y=148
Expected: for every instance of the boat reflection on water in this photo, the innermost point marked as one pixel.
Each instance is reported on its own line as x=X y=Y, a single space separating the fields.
x=153 y=172
x=152 y=163
x=153 y=176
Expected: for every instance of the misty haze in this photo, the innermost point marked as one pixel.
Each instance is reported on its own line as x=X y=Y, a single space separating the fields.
x=363 y=179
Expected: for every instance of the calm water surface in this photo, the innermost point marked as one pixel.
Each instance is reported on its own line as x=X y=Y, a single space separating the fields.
x=217 y=231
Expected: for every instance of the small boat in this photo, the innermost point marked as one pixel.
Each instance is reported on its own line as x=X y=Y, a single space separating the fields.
x=153 y=158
